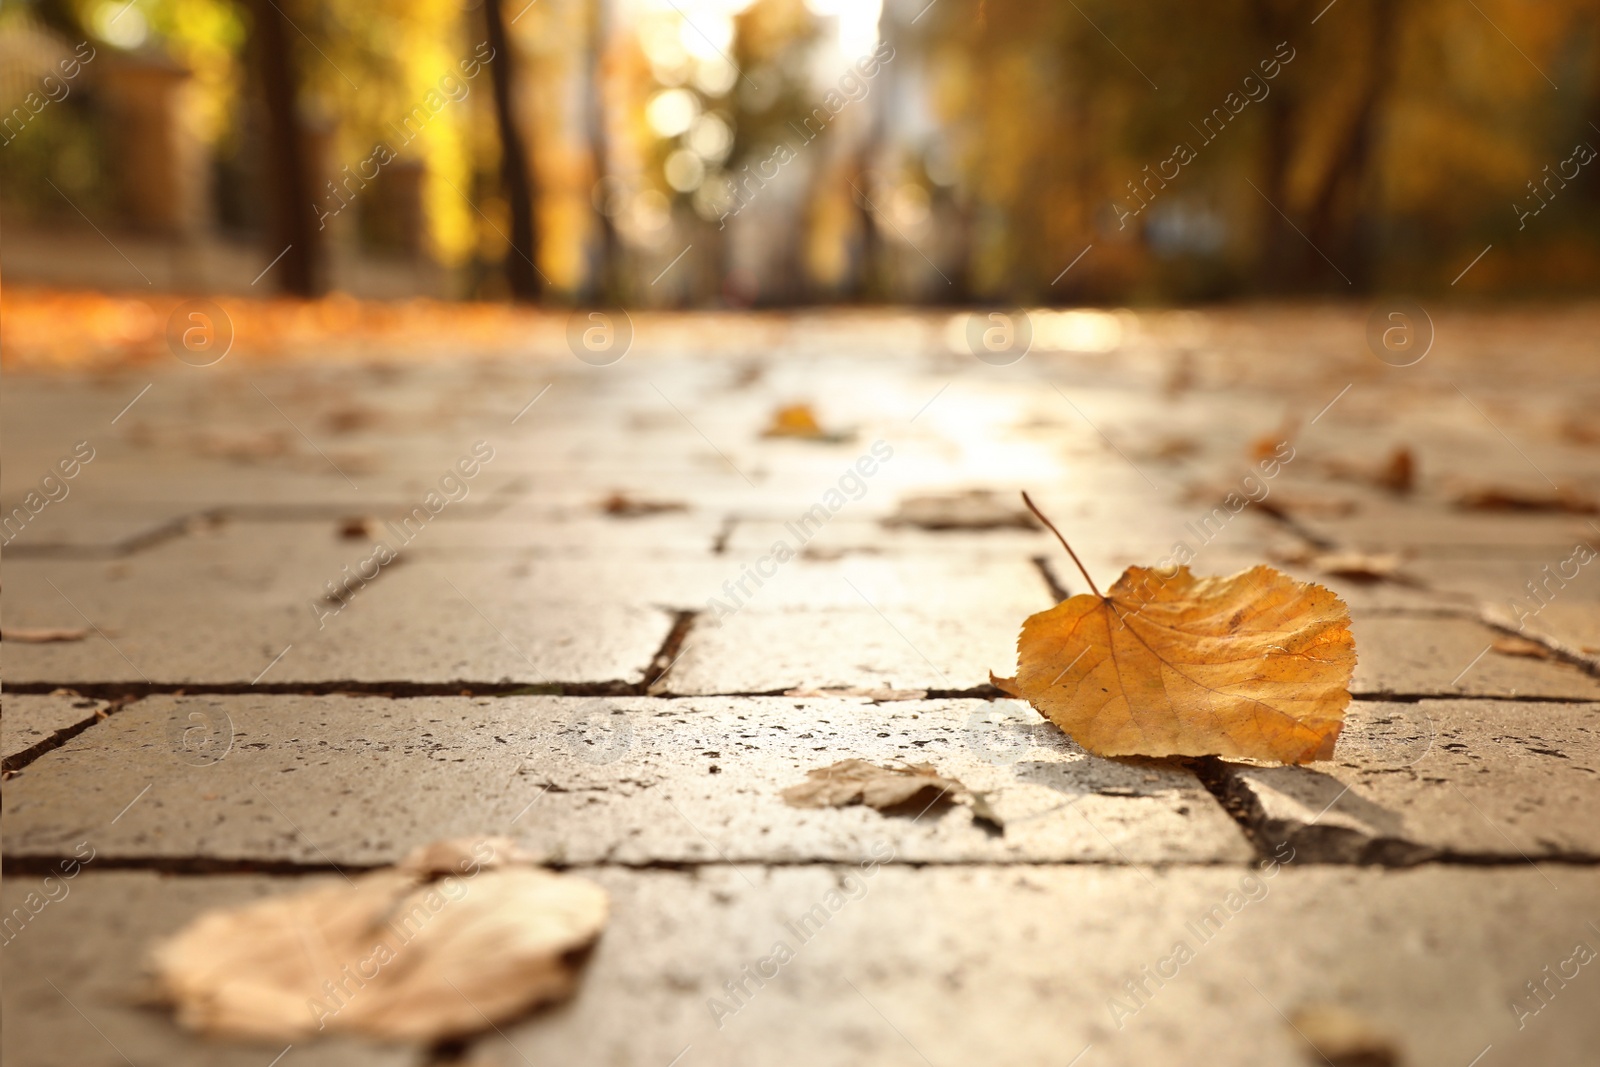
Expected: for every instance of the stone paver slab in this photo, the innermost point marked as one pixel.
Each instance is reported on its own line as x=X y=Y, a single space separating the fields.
x=87 y=936
x=1431 y=655
x=32 y=719
x=981 y=965
x=1502 y=779
x=584 y=780
x=870 y=647
x=227 y=620
x=909 y=966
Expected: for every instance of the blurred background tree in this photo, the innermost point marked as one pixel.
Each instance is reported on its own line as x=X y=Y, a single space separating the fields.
x=739 y=152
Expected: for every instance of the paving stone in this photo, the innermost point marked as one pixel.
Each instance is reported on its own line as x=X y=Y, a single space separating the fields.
x=101 y=531
x=30 y=720
x=190 y=617
x=1106 y=548
x=1473 y=778
x=1431 y=655
x=911 y=966
x=956 y=953
x=581 y=780
x=88 y=936
x=1433 y=526
x=761 y=651
x=936 y=584
x=587 y=531
x=979 y=965
x=1562 y=607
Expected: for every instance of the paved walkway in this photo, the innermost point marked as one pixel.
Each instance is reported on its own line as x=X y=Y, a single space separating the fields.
x=337 y=609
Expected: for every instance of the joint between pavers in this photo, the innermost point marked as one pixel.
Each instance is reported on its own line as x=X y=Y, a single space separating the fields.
x=18 y=761
x=1390 y=858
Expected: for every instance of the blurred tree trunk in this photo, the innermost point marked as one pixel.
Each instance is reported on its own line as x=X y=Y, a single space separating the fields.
x=289 y=164
x=865 y=283
x=515 y=163
x=1341 y=211
x=1276 y=254
x=606 y=282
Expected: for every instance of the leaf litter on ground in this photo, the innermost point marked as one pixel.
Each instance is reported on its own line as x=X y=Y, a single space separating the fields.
x=1356 y=566
x=42 y=635
x=1509 y=645
x=971 y=509
x=1253 y=666
x=623 y=505
x=1397 y=474
x=800 y=420
x=460 y=936
x=908 y=789
x=1562 y=499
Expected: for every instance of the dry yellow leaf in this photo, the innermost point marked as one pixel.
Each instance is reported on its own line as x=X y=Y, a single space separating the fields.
x=459 y=937
x=794 y=420
x=1252 y=666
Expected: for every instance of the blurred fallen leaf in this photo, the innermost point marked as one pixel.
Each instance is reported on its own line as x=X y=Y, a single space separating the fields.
x=1290 y=504
x=1500 y=498
x=1360 y=566
x=972 y=509
x=1180 y=376
x=882 y=695
x=41 y=635
x=854 y=781
x=623 y=506
x=1579 y=428
x=1281 y=502
x=1252 y=666
x=1170 y=448
x=1398 y=473
x=244 y=446
x=832 y=553
x=798 y=420
x=350 y=419
x=1266 y=446
x=1520 y=646
x=1342 y=1038
x=459 y=937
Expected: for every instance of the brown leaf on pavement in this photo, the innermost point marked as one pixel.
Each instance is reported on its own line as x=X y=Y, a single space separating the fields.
x=1171 y=448
x=1252 y=666
x=624 y=506
x=1520 y=646
x=1283 y=502
x=42 y=635
x=461 y=936
x=1357 y=566
x=913 y=787
x=1501 y=498
x=1580 y=429
x=1398 y=473
x=1342 y=1037
x=973 y=509
x=1266 y=445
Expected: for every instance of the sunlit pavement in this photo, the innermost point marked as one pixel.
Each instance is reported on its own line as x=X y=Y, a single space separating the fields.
x=332 y=609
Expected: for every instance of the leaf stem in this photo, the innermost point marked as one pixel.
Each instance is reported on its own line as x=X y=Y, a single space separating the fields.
x=1081 y=568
